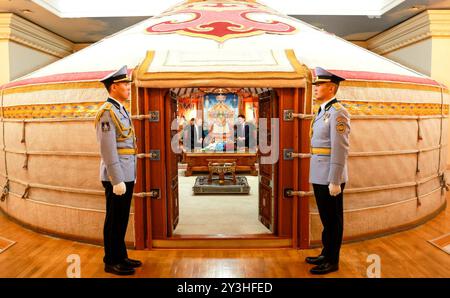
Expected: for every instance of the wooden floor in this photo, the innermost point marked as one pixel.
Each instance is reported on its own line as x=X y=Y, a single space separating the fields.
x=405 y=254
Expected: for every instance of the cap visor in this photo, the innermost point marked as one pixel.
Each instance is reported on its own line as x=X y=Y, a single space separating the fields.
x=321 y=81
x=128 y=80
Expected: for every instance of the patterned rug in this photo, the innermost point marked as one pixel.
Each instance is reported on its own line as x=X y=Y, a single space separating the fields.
x=442 y=242
x=5 y=244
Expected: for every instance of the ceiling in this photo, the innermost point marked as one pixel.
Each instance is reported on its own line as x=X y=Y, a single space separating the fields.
x=361 y=28
x=120 y=8
x=92 y=29
x=77 y=30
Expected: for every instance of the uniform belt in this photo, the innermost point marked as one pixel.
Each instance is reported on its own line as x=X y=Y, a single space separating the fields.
x=322 y=151
x=126 y=151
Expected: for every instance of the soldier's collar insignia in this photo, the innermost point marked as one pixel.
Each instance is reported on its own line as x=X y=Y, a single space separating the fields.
x=330 y=103
x=115 y=103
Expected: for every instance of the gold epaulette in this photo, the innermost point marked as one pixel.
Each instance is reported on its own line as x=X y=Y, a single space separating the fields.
x=107 y=106
x=123 y=133
x=337 y=106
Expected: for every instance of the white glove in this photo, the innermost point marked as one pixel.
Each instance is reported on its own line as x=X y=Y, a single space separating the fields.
x=119 y=189
x=335 y=189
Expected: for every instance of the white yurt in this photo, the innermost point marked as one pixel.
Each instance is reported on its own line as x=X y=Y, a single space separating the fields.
x=50 y=158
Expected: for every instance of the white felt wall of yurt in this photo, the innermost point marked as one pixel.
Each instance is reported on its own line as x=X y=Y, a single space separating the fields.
x=396 y=162
x=76 y=223
x=384 y=218
x=64 y=93
x=58 y=161
x=60 y=156
x=386 y=149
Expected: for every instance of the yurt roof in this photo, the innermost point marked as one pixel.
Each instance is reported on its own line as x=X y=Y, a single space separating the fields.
x=222 y=36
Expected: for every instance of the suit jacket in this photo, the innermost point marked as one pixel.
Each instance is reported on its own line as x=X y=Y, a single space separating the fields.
x=193 y=133
x=330 y=130
x=240 y=131
x=114 y=167
x=199 y=135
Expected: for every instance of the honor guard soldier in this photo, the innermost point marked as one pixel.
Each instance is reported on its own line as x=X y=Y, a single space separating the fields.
x=330 y=129
x=116 y=137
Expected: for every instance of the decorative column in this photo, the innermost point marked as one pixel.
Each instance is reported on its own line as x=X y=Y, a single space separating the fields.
x=25 y=47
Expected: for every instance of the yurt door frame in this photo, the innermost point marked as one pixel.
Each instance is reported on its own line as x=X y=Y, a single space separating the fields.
x=156 y=190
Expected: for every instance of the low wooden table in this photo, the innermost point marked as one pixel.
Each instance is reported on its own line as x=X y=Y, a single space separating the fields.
x=203 y=187
x=222 y=167
x=198 y=162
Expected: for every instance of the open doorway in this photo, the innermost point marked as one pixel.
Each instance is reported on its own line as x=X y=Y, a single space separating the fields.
x=220 y=127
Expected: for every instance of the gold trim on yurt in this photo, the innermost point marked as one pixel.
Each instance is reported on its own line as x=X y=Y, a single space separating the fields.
x=385 y=84
x=252 y=83
x=299 y=72
x=89 y=109
x=391 y=108
x=65 y=110
x=53 y=86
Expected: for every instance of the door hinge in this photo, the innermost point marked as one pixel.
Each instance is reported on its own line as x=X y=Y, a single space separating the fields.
x=289 y=115
x=154 y=193
x=289 y=154
x=155 y=155
x=153 y=116
x=289 y=192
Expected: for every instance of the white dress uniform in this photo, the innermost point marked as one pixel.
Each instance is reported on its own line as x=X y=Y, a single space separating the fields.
x=330 y=129
x=116 y=137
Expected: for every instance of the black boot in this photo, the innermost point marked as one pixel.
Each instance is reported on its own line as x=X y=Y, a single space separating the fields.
x=119 y=269
x=315 y=260
x=132 y=263
x=325 y=268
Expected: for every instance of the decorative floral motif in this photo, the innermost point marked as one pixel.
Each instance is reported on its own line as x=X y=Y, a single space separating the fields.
x=89 y=109
x=391 y=108
x=57 y=111
x=221 y=21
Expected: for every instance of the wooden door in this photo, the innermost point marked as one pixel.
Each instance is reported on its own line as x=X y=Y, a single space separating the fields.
x=293 y=211
x=157 y=214
x=267 y=171
x=154 y=181
x=171 y=128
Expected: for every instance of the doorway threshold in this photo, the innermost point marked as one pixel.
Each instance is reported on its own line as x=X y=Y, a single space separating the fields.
x=223 y=242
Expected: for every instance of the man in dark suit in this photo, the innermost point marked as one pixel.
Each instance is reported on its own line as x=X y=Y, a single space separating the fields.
x=199 y=133
x=242 y=133
x=193 y=134
x=253 y=136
